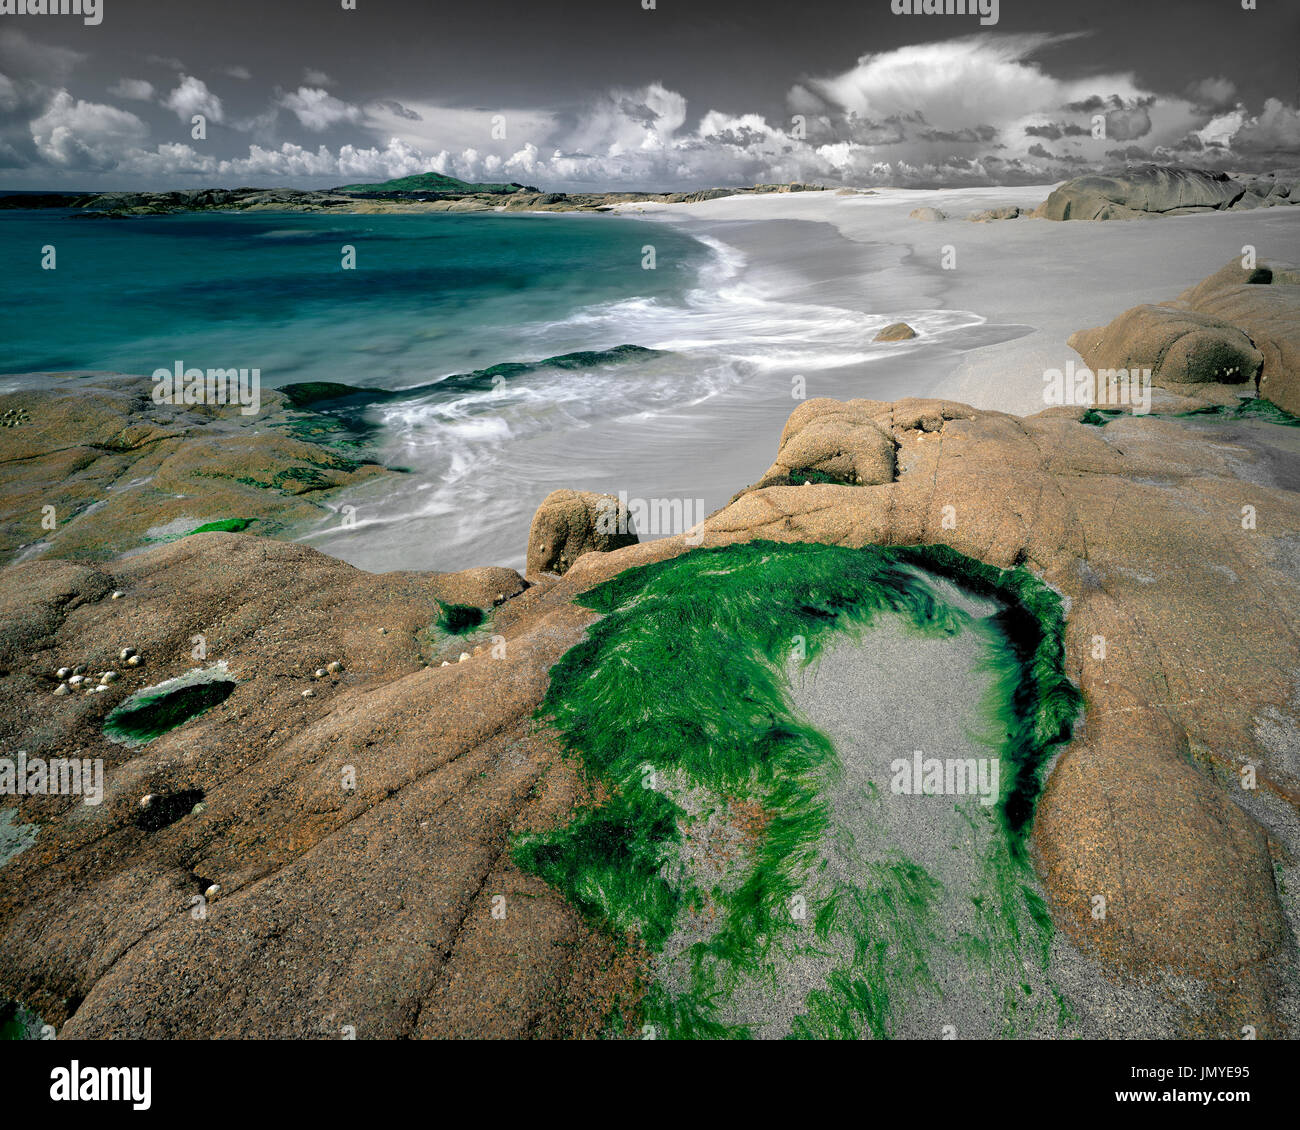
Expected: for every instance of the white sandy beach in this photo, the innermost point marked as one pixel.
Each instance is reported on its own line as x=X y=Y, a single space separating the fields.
x=1035 y=282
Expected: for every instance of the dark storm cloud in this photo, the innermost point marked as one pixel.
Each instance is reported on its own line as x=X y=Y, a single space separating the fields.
x=970 y=135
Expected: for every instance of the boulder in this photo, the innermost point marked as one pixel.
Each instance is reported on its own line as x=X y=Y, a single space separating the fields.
x=931 y=214
x=1264 y=303
x=1178 y=346
x=1011 y=212
x=895 y=331
x=1141 y=191
x=826 y=441
x=1268 y=191
x=570 y=523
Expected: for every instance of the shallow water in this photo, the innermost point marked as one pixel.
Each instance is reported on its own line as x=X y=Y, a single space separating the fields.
x=745 y=319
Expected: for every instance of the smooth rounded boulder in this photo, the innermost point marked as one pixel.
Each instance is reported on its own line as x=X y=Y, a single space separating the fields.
x=570 y=523
x=1141 y=191
x=829 y=441
x=896 y=331
x=1178 y=346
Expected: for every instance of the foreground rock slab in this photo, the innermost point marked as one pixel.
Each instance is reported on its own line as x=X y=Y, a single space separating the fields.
x=360 y=837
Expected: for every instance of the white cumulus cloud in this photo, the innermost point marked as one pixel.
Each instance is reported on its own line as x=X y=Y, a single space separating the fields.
x=318 y=109
x=192 y=97
x=74 y=134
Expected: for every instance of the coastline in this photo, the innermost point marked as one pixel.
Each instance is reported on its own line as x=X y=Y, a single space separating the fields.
x=1120 y=519
x=1035 y=281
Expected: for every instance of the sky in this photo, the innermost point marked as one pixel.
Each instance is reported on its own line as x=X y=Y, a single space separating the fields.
x=589 y=95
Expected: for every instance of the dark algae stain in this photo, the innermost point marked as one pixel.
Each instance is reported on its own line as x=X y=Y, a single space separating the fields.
x=154 y=711
x=459 y=619
x=1248 y=408
x=677 y=707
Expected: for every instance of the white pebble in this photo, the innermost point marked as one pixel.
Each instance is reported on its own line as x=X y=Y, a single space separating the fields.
x=77 y=680
x=101 y=687
x=212 y=891
x=148 y=799
x=445 y=663
x=79 y=669
x=64 y=672
x=309 y=693
x=464 y=655
x=319 y=673
x=126 y=653
x=108 y=677
x=118 y=594
x=62 y=688
x=334 y=668
x=134 y=661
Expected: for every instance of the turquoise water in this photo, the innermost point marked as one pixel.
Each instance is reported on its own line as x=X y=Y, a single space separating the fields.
x=431 y=295
x=438 y=296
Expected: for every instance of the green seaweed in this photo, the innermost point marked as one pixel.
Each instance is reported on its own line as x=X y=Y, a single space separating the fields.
x=1247 y=408
x=683 y=677
x=225 y=526
x=303 y=394
x=155 y=711
x=459 y=619
x=18 y=1023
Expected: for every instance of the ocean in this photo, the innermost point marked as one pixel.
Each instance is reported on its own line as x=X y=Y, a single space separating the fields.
x=691 y=415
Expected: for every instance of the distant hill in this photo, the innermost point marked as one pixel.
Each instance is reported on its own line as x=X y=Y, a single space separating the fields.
x=435 y=182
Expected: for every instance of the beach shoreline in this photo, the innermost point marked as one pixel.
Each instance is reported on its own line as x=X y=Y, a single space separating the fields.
x=1034 y=281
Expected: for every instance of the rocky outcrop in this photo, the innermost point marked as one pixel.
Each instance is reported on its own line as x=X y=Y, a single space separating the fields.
x=1140 y=525
x=1149 y=190
x=1178 y=346
x=832 y=441
x=519 y=198
x=1240 y=325
x=359 y=830
x=570 y=523
x=1264 y=303
x=1139 y=190
x=1267 y=191
x=358 y=837
x=101 y=448
x=987 y=215
x=895 y=331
